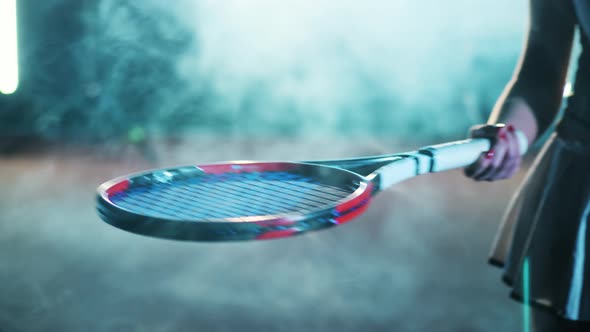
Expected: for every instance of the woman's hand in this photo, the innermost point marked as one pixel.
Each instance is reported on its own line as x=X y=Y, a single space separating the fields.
x=502 y=160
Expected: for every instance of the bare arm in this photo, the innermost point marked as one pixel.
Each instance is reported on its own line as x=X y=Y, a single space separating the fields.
x=531 y=100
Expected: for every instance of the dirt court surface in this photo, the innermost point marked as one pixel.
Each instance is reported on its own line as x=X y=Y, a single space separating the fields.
x=415 y=262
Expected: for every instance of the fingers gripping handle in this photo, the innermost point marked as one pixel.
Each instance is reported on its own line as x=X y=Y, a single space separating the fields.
x=463 y=153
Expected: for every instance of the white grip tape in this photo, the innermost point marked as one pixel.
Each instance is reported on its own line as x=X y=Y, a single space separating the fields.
x=438 y=158
x=457 y=154
x=463 y=153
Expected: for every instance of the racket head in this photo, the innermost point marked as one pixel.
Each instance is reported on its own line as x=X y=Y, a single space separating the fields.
x=240 y=200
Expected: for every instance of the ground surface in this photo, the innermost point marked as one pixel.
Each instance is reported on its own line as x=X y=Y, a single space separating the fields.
x=415 y=262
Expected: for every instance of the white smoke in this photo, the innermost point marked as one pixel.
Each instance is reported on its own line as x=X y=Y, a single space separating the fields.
x=372 y=67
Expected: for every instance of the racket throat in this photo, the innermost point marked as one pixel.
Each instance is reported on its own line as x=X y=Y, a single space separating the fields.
x=364 y=166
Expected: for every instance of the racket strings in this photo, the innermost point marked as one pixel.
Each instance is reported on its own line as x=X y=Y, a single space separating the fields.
x=230 y=195
x=258 y=201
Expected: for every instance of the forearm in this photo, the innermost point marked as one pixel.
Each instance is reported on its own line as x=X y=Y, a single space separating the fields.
x=531 y=101
x=527 y=106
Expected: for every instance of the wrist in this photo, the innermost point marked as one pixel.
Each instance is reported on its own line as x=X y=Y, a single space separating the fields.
x=517 y=113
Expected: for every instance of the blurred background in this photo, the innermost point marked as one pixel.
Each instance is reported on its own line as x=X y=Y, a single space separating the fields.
x=107 y=87
x=93 y=71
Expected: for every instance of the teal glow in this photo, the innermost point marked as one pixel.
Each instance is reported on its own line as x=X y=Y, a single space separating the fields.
x=526 y=308
x=9 y=47
x=136 y=134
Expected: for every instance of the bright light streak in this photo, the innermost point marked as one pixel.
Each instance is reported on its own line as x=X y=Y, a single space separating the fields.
x=526 y=309
x=8 y=47
x=568 y=90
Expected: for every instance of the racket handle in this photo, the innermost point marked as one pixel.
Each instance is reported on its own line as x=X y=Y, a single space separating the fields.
x=463 y=153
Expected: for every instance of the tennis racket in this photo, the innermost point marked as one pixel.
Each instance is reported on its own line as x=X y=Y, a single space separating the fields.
x=250 y=200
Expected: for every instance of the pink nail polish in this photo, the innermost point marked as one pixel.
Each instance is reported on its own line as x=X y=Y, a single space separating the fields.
x=490 y=154
x=510 y=128
x=502 y=135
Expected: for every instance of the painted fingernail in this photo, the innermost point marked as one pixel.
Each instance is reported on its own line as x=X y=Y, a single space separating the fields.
x=502 y=135
x=490 y=154
x=510 y=128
